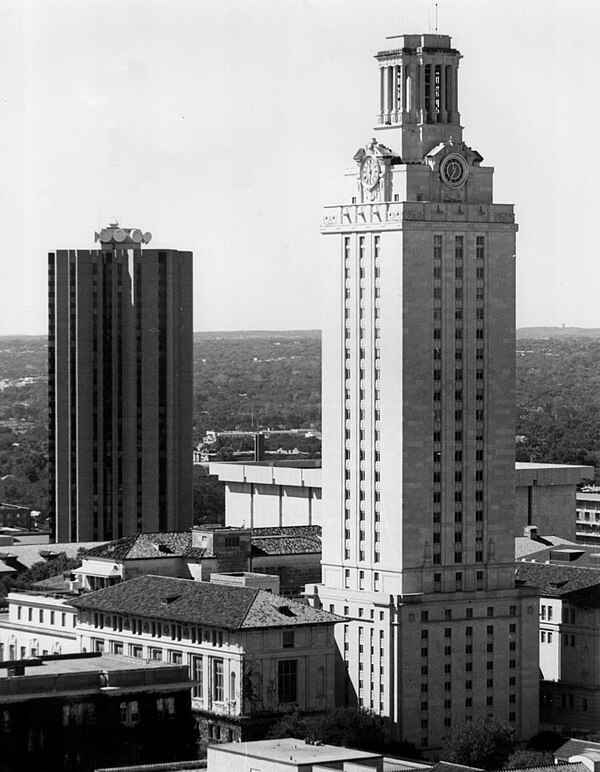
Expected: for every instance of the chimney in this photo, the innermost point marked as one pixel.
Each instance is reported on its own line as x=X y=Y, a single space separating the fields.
x=531 y=532
x=259 y=447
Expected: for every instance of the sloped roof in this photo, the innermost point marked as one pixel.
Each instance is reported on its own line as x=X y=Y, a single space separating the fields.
x=284 y=540
x=524 y=546
x=287 y=540
x=575 y=747
x=27 y=555
x=577 y=766
x=556 y=580
x=145 y=545
x=448 y=766
x=202 y=603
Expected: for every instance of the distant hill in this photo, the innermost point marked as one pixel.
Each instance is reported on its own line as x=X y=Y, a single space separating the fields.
x=543 y=333
x=242 y=334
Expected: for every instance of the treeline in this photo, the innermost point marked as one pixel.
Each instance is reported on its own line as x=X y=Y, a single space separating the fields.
x=272 y=380
x=558 y=401
x=249 y=381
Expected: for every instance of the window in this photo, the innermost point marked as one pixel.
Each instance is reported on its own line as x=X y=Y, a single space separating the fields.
x=165 y=708
x=288 y=639
x=130 y=713
x=287 y=680
x=218 y=694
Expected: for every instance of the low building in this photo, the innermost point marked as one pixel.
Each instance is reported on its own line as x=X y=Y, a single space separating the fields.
x=38 y=623
x=14 y=516
x=82 y=712
x=290 y=755
x=266 y=494
x=545 y=496
x=252 y=654
x=273 y=494
x=588 y=517
x=568 y=581
x=291 y=552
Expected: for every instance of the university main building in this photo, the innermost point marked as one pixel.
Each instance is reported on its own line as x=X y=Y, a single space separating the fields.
x=419 y=396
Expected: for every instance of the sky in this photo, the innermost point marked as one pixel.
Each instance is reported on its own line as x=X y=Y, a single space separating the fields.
x=225 y=126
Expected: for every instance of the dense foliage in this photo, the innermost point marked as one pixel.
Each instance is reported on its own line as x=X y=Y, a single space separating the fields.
x=486 y=743
x=271 y=380
x=257 y=381
x=529 y=758
x=558 y=401
x=352 y=727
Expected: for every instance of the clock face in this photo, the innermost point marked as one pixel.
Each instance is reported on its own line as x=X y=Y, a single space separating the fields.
x=369 y=171
x=454 y=170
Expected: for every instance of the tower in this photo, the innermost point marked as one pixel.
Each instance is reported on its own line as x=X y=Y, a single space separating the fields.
x=418 y=418
x=120 y=388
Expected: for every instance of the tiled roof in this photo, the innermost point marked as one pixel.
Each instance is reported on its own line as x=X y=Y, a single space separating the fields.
x=556 y=580
x=285 y=540
x=574 y=747
x=577 y=766
x=448 y=766
x=288 y=530
x=27 y=555
x=288 y=540
x=145 y=545
x=202 y=603
x=198 y=553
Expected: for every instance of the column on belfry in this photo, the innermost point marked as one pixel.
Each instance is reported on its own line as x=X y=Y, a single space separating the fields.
x=443 y=113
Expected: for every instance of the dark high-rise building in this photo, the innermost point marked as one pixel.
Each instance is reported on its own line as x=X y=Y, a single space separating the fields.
x=120 y=388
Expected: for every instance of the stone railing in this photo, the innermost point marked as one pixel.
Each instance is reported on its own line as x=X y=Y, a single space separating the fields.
x=378 y=214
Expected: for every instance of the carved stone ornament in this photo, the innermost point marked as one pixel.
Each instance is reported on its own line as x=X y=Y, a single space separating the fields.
x=450 y=194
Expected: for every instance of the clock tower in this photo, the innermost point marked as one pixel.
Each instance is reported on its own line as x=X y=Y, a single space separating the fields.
x=418 y=419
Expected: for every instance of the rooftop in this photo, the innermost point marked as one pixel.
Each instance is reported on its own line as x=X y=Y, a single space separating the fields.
x=75 y=677
x=579 y=555
x=202 y=603
x=91 y=664
x=27 y=555
x=285 y=540
x=294 y=752
x=557 y=580
x=525 y=546
x=574 y=747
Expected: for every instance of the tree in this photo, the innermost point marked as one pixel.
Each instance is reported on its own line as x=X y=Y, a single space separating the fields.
x=351 y=727
x=485 y=742
x=529 y=758
x=546 y=740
